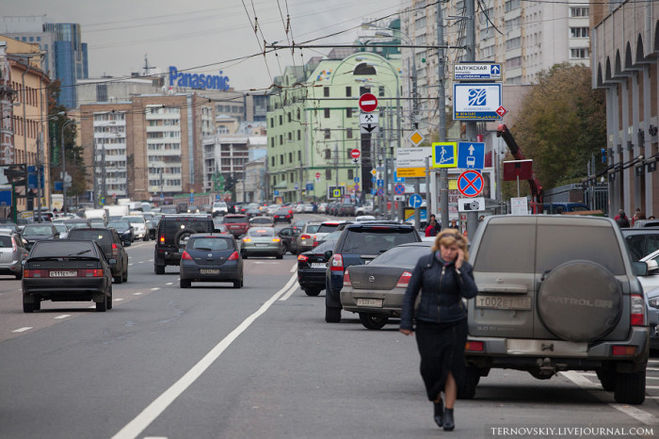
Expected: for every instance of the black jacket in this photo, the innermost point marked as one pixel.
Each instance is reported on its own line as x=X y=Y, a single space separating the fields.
x=442 y=289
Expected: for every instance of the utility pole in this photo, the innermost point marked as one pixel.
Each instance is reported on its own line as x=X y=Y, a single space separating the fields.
x=38 y=169
x=441 y=101
x=470 y=43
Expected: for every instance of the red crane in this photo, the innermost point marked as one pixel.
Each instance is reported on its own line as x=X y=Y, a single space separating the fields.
x=537 y=192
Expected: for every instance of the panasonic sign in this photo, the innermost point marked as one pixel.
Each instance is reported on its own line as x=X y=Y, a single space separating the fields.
x=198 y=81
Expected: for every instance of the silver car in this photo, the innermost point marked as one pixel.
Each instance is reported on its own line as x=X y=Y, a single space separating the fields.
x=12 y=254
x=262 y=241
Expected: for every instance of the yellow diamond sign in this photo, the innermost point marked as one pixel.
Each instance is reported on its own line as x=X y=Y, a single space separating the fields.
x=416 y=138
x=374 y=172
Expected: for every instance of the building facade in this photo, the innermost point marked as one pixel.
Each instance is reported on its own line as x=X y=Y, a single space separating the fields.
x=625 y=44
x=108 y=89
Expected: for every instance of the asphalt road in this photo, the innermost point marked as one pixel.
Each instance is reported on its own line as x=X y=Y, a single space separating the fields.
x=256 y=362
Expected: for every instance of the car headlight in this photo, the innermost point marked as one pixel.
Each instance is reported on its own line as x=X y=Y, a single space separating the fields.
x=654 y=302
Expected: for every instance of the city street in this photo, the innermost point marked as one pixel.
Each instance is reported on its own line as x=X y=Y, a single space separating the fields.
x=218 y=362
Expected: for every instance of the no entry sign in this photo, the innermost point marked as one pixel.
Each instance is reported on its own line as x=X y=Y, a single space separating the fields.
x=470 y=183
x=355 y=153
x=368 y=102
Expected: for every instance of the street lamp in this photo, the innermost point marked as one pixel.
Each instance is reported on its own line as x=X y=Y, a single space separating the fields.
x=64 y=125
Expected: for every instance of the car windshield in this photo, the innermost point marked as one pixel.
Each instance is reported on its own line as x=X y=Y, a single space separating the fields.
x=37 y=230
x=5 y=242
x=406 y=256
x=210 y=244
x=133 y=219
x=312 y=228
x=375 y=241
x=103 y=236
x=119 y=225
x=261 y=231
x=327 y=228
x=234 y=219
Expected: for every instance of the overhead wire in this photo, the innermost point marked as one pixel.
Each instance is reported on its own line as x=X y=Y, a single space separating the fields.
x=255 y=27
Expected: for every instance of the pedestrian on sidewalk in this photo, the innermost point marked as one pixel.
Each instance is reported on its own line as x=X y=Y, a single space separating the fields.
x=443 y=278
x=433 y=227
x=621 y=219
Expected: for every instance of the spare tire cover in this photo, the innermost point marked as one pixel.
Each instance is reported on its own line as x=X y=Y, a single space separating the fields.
x=580 y=301
x=181 y=238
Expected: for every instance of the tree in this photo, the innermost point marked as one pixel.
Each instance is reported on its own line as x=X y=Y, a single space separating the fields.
x=562 y=123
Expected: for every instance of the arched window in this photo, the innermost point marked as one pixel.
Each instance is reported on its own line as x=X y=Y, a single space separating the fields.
x=364 y=69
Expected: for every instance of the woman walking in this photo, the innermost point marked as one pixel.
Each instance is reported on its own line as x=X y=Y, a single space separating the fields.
x=443 y=278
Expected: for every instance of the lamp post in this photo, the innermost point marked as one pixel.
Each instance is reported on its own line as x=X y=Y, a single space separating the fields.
x=64 y=125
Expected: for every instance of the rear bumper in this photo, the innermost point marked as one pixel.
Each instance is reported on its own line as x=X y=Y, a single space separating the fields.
x=392 y=302
x=228 y=271
x=262 y=251
x=14 y=267
x=64 y=289
x=167 y=256
x=311 y=278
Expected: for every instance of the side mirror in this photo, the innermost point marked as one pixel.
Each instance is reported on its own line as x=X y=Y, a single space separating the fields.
x=127 y=243
x=328 y=254
x=640 y=268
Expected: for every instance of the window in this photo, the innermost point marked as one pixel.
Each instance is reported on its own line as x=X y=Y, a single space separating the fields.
x=326 y=112
x=363 y=90
x=348 y=113
x=327 y=134
x=281 y=159
x=281 y=139
x=579 y=32
x=515 y=43
x=298 y=114
x=289 y=117
x=299 y=156
x=326 y=92
x=328 y=154
x=381 y=91
x=514 y=62
x=348 y=92
x=351 y=174
x=290 y=136
x=273 y=161
x=579 y=12
x=349 y=133
x=511 y=5
x=290 y=157
x=364 y=69
x=299 y=135
x=581 y=53
x=280 y=120
x=328 y=174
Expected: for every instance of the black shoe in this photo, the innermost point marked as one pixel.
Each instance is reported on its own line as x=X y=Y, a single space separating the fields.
x=449 y=423
x=439 y=412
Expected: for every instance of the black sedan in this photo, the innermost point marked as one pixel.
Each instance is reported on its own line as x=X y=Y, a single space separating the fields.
x=312 y=264
x=211 y=257
x=283 y=214
x=64 y=270
x=125 y=231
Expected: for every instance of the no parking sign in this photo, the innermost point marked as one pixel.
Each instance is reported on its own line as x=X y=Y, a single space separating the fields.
x=470 y=183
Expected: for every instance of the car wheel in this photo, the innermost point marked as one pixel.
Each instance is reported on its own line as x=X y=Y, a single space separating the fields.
x=102 y=306
x=373 y=321
x=244 y=255
x=281 y=256
x=630 y=387
x=28 y=306
x=238 y=283
x=109 y=299
x=125 y=276
x=332 y=315
x=312 y=291
x=19 y=276
x=607 y=378
x=159 y=269
x=118 y=279
x=467 y=389
x=185 y=283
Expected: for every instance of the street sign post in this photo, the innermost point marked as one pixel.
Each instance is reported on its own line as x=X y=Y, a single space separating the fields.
x=368 y=123
x=444 y=155
x=471 y=155
x=477 y=72
x=470 y=183
x=368 y=102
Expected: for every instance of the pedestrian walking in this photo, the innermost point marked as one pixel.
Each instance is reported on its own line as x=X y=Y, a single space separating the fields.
x=621 y=219
x=433 y=227
x=638 y=215
x=443 y=278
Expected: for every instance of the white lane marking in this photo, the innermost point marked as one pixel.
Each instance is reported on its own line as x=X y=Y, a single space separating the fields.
x=169 y=283
x=289 y=293
x=155 y=288
x=23 y=329
x=294 y=268
x=149 y=260
x=638 y=414
x=652 y=368
x=63 y=316
x=119 y=299
x=651 y=387
x=155 y=437
x=130 y=265
x=653 y=361
x=137 y=294
x=588 y=374
x=652 y=397
x=160 y=404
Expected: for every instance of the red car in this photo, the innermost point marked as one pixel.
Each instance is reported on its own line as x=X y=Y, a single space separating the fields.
x=237 y=224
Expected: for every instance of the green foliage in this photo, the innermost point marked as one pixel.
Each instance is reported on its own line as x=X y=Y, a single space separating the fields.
x=562 y=123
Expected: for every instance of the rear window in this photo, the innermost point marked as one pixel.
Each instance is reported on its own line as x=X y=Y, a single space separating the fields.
x=235 y=219
x=200 y=226
x=100 y=236
x=507 y=248
x=374 y=241
x=261 y=231
x=327 y=228
x=37 y=230
x=559 y=244
x=641 y=245
x=261 y=221
x=327 y=245
x=119 y=225
x=5 y=241
x=211 y=244
x=133 y=220
x=402 y=256
x=62 y=248
x=313 y=228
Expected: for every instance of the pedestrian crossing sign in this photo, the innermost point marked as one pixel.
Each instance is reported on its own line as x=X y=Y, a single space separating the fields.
x=444 y=155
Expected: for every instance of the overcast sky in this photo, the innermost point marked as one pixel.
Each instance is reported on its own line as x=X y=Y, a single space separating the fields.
x=190 y=33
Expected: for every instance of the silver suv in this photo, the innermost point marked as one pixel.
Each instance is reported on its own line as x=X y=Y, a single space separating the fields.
x=557 y=293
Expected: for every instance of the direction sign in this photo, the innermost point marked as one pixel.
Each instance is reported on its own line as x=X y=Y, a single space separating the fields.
x=355 y=153
x=399 y=189
x=477 y=71
x=444 y=155
x=380 y=183
x=501 y=111
x=472 y=101
x=276 y=192
x=471 y=155
x=356 y=179
x=368 y=102
x=415 y=201
x=368 y=128
x=470 y=183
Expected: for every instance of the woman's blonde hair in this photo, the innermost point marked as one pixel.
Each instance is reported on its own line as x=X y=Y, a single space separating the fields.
x=449 y=237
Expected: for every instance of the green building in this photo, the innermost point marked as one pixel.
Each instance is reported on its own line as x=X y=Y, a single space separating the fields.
x=314 y=124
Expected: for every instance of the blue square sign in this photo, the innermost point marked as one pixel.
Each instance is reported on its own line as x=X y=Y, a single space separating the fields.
x=471 y=155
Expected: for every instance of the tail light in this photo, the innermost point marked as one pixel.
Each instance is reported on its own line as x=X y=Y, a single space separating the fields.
x=404 y=279
x=115 y=250
x=162 y=239
x=35 y=273
x=305 y=236
x=336 y=263
x=637 y=317
x=475 y=346
x=623 y=351
x=234 y=257
x=186 y=256
x=316 y=243
x=302 y=258
x=90 y=272
x=346 y=279
x=276 y=239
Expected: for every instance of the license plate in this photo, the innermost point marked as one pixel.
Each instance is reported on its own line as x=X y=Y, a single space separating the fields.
x=376 y=303
x=209 y=271
x=263 y=245
x=68 y=273
x=318 y=265
x=503 y=302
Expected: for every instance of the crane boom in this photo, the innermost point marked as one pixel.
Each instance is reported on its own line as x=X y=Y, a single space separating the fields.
x=537 y=191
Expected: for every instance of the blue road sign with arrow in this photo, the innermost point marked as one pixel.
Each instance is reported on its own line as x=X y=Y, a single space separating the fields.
x=471 y=155
x=415 y=201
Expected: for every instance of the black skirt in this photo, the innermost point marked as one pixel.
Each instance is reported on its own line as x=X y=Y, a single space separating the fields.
x=441 y=346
